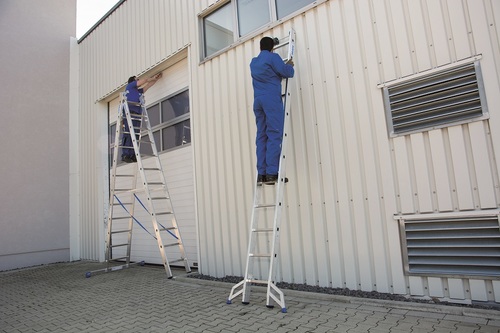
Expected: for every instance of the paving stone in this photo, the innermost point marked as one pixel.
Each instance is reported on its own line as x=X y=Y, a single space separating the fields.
x=58 y=298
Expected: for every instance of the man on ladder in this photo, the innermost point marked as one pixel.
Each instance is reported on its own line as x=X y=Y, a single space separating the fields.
x=272 y=116
x=268 y=70
x=134 y=90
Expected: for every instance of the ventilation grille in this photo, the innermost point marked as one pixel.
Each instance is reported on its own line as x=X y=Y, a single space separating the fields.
x=443 y=98
x=452 y=247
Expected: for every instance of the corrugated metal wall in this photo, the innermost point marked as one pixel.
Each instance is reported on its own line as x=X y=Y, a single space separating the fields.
x=347 y=177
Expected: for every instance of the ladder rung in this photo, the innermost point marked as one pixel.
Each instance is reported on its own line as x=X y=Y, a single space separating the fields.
x=118 y=245
x=120 y=231
x=168 y=228
x=177 y=260
x=150 y=169
x=160 y=198
x=260 y=255
x=120 y=218
x=120 y=204
x=155 y=183
x=257 y=281
x=116 y=259
x=263 y=230
x=170 y=245
x=265 y=206
x=124 y=175
x=164 y=213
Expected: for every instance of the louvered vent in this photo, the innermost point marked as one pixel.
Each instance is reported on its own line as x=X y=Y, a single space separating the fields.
x=440 y=99
x=452 y=247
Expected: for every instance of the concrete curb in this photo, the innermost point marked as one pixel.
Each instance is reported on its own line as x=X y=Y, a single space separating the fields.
x=443 y=309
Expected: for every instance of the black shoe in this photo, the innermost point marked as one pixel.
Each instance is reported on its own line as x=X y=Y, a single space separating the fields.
x=271 y=179
x=261 y=179
x=128 y=159
x=134 y=159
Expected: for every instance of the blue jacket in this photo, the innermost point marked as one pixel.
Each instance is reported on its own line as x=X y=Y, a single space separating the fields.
x=134 y=94
x=268 y=69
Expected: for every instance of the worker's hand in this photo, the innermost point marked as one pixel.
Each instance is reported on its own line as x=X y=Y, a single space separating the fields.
x=290 y=62
x=157 y=76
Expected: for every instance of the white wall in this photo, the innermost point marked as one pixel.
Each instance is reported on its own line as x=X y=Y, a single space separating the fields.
x=34 y=172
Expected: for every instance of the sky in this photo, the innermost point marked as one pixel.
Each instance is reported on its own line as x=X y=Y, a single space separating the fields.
x=88 y=12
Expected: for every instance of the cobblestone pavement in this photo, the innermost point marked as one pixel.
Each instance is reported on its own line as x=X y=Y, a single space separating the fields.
x=59 y=298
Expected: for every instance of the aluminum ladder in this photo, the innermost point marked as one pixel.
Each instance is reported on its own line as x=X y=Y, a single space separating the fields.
x=260 y=207
x=124 y=196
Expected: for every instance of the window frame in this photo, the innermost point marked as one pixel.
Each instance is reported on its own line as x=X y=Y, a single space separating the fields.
x=237 y=39
x=157 y=128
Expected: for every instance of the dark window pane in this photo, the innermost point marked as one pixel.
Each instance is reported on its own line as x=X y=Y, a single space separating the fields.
x=175 y=106
x=218 y=28
x=154 y=115
x=176 y=135
x=252 y=14
x=286 y=7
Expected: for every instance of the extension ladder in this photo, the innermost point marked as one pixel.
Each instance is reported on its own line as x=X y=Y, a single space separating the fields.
x=257 y=231
x=124 y=195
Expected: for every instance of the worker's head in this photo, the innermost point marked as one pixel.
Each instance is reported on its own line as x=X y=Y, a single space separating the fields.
x=267 y=43
x=131 y=79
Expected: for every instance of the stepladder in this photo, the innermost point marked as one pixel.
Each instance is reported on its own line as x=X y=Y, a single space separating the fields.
x=267 y=212
x=139 y=195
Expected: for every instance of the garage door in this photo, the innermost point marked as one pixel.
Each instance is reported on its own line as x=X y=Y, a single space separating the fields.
x=177 y=162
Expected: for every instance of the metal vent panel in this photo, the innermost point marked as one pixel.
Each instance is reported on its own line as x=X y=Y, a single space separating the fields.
x=443 y=98
x=457 y=247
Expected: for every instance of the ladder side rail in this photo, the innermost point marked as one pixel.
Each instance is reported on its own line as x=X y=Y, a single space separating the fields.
x=282 y=167
x=131 y=128
x=147 y=192
x=271 y=287
x=118 y=131
x=176 y=231
x=279 y=208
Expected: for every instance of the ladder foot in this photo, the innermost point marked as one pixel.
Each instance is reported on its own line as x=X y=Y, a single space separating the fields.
x=170 y=277
x=142 y=263
x=229 y=302
x=246 y=303
x=88 y=274
x=283 y=310
x=270 y=306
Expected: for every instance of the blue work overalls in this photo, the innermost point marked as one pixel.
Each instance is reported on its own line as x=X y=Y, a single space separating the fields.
x=133 y=95
x=268 y=70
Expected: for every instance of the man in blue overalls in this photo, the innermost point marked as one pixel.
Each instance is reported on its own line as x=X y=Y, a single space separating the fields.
x=268 y=70
x=135 y=88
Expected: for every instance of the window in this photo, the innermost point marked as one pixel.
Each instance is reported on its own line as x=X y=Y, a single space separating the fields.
x=220 y=29
x=440 y=99
x=252 y=14
x=170 y=124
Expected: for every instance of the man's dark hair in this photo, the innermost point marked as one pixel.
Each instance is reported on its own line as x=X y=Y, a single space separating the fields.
x=131 y=79
x=266 y=43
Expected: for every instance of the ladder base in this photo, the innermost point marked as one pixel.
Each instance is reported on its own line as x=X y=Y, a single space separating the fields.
x=113 y=268
x=273 y=293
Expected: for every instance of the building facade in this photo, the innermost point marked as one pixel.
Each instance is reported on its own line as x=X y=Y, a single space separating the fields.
x=36 y=40
x=394 y=181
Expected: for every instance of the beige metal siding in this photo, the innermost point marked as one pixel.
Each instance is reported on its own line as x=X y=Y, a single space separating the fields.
x=348 y=178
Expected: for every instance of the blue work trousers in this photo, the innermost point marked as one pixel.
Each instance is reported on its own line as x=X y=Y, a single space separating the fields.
x=269 y=117
x=127 y=145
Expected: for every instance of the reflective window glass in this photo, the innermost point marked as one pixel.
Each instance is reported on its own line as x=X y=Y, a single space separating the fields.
x=175 y=106
x=252 y=14
x=286 y=7
x=218 y=28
